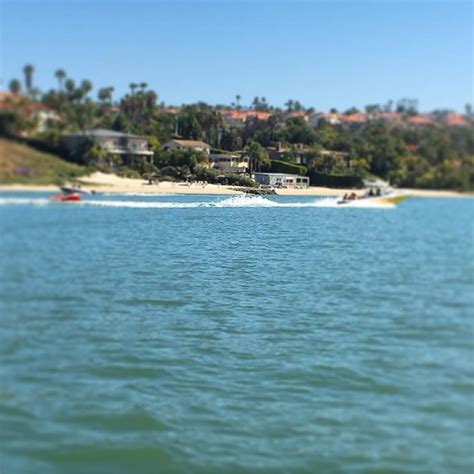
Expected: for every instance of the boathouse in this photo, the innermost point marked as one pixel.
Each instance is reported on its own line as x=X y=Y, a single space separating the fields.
x=282 y=180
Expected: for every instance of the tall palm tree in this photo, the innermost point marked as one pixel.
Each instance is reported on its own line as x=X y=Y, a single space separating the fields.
x=143 y=86
x=28 y=70
x=133 y=86
x=110 y=91
x=60 y=76
x=237 y=100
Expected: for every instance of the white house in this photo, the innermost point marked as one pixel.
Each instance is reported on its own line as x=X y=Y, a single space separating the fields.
x=229 y=163
x=282 y=180
x=125 y=145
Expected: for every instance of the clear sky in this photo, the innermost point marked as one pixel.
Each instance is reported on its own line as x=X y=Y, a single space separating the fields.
x=325 y=54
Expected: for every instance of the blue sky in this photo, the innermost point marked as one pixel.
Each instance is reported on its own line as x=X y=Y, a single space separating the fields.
x=325 y=54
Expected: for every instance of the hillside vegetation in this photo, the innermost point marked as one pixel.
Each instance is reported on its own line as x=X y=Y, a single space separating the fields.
x=24 y=165
x=392 y=141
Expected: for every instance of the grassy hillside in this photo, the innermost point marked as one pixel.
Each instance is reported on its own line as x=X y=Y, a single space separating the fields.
x=22 y=164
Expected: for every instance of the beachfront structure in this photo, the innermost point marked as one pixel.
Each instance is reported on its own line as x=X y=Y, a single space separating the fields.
x=196 y=145
x=282 y=180
x=117 y=144
x=229 y=163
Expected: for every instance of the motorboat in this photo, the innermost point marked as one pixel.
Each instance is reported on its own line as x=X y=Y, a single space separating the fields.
x=378 y=196
x=66 y=197
x=75 y=189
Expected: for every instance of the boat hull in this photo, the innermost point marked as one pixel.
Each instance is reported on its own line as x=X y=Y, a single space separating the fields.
x=390 y=200
x=73 y=197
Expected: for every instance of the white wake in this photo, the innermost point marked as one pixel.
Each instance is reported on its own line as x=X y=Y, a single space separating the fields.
x=231 y=202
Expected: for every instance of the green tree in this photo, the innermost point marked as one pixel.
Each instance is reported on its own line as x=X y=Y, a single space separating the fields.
x=299 y=131
x=105 y=94
x=15 y=86
x=60 y=76
x=28 y=70
x=231 y=140
x=258 y=156
x=86 y=87
x=70 y=86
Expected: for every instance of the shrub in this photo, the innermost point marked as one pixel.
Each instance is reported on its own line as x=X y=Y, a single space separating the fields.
x=278 y=166
x=335 y=181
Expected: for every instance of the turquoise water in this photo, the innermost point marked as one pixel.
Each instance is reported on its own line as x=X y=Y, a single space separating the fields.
x=211 y=334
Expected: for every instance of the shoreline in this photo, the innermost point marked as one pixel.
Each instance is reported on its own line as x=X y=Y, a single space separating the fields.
x=112 y=184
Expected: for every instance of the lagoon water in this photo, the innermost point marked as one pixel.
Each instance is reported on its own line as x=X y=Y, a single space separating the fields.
x=212 y=334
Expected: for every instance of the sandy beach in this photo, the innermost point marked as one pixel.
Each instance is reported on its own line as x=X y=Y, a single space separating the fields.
x=110 y=183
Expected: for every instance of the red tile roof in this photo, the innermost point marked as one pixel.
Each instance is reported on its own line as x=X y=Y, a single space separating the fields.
x=243 y=115
x=456 y=120
x=419 y=120
x=354 y=118
x=389 y=116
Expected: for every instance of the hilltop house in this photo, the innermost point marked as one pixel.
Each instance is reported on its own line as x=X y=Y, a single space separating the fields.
x=40 y=114
x=117 y=144
x=333 y=119
x=238 y=118
x=419 y=121
x=455 y=120
x=301 y=154
x=196 y=145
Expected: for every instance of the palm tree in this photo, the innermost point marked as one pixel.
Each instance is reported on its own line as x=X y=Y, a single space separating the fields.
x=289 y=105
x=110 y=91
x=297 y=106
x=29 y=70
x=15 y=86
x=86 y=86
x=103 y=95
x=237 y=100
x=257 y=154
x=133 y=86
x=143 y=86
x=60 y=76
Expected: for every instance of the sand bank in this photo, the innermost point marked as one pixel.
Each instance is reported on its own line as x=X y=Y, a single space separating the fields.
x=110 y=183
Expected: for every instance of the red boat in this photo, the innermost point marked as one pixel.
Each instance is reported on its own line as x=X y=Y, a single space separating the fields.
x=70 y=197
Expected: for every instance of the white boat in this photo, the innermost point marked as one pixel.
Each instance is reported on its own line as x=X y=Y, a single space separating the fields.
x=75 y=189
x=379 y=195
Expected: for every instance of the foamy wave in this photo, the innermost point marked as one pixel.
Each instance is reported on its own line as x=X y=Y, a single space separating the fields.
x=232 y=202
x=246 y=201
x=140 y=194
x=142 y=204
x=23 y=201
